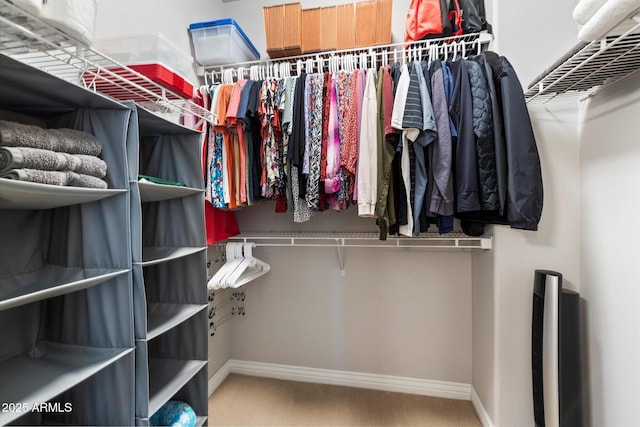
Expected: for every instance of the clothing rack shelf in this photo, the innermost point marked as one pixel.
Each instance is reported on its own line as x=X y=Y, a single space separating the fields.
x=442 y=47
x=366 y=240
x=591 y=67
x=28 y=39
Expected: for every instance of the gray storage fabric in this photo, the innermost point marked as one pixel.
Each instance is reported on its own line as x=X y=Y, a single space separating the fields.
x=23 y=233
x=142 y=380
x=118 y=411
x=175 y=222
x=90 y=337
x=184 y=342
x=196 y=392
x=170 y=293
x=139 y=303
x=174 y=281
x=111 y=128
x=77 y=346
x=184 y=152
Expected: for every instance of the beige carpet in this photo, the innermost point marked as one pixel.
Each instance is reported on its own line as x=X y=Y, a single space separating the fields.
x=251 y=401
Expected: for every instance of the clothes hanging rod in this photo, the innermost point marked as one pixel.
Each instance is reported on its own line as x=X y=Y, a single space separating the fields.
x=467 y=43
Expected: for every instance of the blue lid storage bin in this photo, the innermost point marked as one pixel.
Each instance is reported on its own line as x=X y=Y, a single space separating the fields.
x=221 y=42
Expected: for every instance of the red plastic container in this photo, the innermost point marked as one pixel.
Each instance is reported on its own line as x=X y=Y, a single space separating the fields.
x=123 y=84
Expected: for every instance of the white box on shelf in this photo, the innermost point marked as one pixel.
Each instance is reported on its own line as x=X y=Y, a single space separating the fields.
x=32 y=6
x=154 y=48
x=221 y=42
x=77 y=18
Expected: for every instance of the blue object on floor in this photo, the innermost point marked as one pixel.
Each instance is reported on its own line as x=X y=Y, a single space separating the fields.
x=174 y=413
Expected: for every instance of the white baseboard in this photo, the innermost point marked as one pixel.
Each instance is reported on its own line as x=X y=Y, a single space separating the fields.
x=449 y=390
x=219 y=377
x=485 y=419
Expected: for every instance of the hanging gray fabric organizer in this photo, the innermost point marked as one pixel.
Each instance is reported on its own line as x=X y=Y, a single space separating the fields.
x=66 y=299
x=169 y=269
x=105 y=292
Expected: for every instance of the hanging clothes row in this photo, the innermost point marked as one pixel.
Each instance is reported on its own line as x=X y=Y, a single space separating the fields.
x=410 y=144
x=365 y=57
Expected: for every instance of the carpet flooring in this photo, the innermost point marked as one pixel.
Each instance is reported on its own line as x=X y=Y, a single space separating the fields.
x=251 y=401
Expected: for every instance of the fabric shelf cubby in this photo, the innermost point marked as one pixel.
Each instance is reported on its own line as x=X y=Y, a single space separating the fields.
x=169 y=266
x=66 y=268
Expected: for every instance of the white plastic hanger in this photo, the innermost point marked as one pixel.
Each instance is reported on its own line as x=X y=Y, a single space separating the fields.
x=232 y=254
x=247 y=270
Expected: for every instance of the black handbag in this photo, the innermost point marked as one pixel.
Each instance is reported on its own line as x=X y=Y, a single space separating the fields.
x=473 y=16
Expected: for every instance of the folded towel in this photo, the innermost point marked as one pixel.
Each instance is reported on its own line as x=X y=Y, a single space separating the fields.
x=82 y=180
x=14 y=134
x=90 y=165
x=70 y=141
x=32 y=158
x=77 y=142
x=60 y=178
x=33 y=175
x=609 y=16
x=585 y=9
x=47 y=160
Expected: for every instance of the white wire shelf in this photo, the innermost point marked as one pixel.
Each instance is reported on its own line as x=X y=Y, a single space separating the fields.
x=591 y=67
x=28 y=39
x=365 y=240
x=444 y=47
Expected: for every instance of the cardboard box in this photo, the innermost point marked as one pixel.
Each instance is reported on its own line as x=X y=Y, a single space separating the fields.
x=383 y=22
x=292 y=39
x=365 y=23
x=291 y=31
x=328 y=28
x=311 y=30
x=346 y=31
x=282 y=27
x=273 y=22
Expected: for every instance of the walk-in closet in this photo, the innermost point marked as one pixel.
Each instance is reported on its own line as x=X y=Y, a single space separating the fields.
x=219 y=212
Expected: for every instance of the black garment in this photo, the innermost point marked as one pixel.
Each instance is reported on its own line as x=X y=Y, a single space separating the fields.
x=254 y=140
x=524 y=191
x=483 y=129
x=465 y=157
x=400 y=203
x=524 y=188
x=297 y=139
x=490 y=62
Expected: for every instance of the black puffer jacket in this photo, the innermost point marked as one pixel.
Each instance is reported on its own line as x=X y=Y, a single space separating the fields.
x=518 y=158
x=483 y=129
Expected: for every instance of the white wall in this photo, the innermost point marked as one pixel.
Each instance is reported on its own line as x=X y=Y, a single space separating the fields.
x=220 y=343
x=173 y=17
x=531 y=39
x=610 y=257
x=403 y=312
x=118 y=18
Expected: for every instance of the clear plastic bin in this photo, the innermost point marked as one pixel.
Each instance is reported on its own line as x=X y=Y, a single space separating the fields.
x=221 y=42
x=153 y=48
